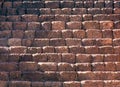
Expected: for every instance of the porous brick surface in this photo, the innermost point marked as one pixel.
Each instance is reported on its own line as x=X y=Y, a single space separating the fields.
x=59 y=43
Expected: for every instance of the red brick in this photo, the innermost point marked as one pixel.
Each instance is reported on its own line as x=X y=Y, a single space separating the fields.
x=25 y=57
x=54 y=34
x=106 y=49
x=41 y=42
x=13 y=18
x=45 y=11
x=47 y=66
x=54 y=57
x=75 y=18
x=111 y=58
x=89 y=42
x=4 y=49
x=58 y=25
x=30 y=18
x=34 y=50
x=2 y=18
x=68 y=57
x=83 y=66
x=78 y=11
x=88 y=4
x=111 y=83
x=3 y=83
x=3 y=42
x=5 y=34
x=91 y=25
x=116 y=11
x=14 y=42
x=98 y=66
x=94 y=11
x=92 y=83
x=100 y=17
x=107 y=33
x=106 y=10
x=45 y=18
x=111 y=75
x=73 y=41
x=19 y=84
x=108 y=4
x=106 y=24
x=73 y=25
x=57 y=42
x=17 y=4
x=15 y=75
x=67 y=34
x=27 y=42
x=13 y=57
x=116 y=4
x=76 y=49
x=89 y=50
x=71 y=84
x=52 y=4
x=99 y=4
x=110 y=66
x=46 y=25
x=6 y=25
x=117 y=24
x=33 y=26
x=50 y=76
x=33 y=76
x=4 y=76
x=48 y=49
x=29 y=33
x=116 y=42
x=37 y=84
x=68 y=76
x=41 y=34
x=104 y=42
x=66 y=11
x=61 y=49
x=78 y=33
x=67 y=4
x=97 y=58
x=61 y=18
x=39 y=57
x=18 y=33
x=28 y=66
x=116 y=33
x=66 y=67
x=117 y=49
x=20 y=25
x=56 y=11
x=79 y=4
x=94 y=33
x=117 y=66
x=87 y=17
x=3 y=58
x=83 y=58
x=18 y=49
x=11 y=11
x=8 y=66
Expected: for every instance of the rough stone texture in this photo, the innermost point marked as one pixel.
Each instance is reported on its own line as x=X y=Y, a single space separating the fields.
x=59 y=43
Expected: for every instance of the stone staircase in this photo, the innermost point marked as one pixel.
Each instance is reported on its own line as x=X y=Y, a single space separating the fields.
x=59 y=43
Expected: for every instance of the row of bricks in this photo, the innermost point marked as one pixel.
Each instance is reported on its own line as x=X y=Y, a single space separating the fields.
x=57 y=57
x=59 y=25
x=73 y=35
x=68 y=11
x=61 y=4
x=73 y=49
x=67 y=44
x=61 y=66
x=57 y=17
x=60 y=76
x=86 y=83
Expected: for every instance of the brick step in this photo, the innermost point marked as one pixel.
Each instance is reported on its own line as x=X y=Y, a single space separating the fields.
x=59 y=25
x=61 y=4
x=33 y=56
x=61 y=76
x=72 y=49
x=61 y=11
x=59 y=17
x=86 y=83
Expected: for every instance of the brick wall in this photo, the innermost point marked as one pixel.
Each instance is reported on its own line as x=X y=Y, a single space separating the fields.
x=59 y=43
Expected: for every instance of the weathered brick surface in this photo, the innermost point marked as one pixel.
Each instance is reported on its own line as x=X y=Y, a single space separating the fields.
x=59 y=43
